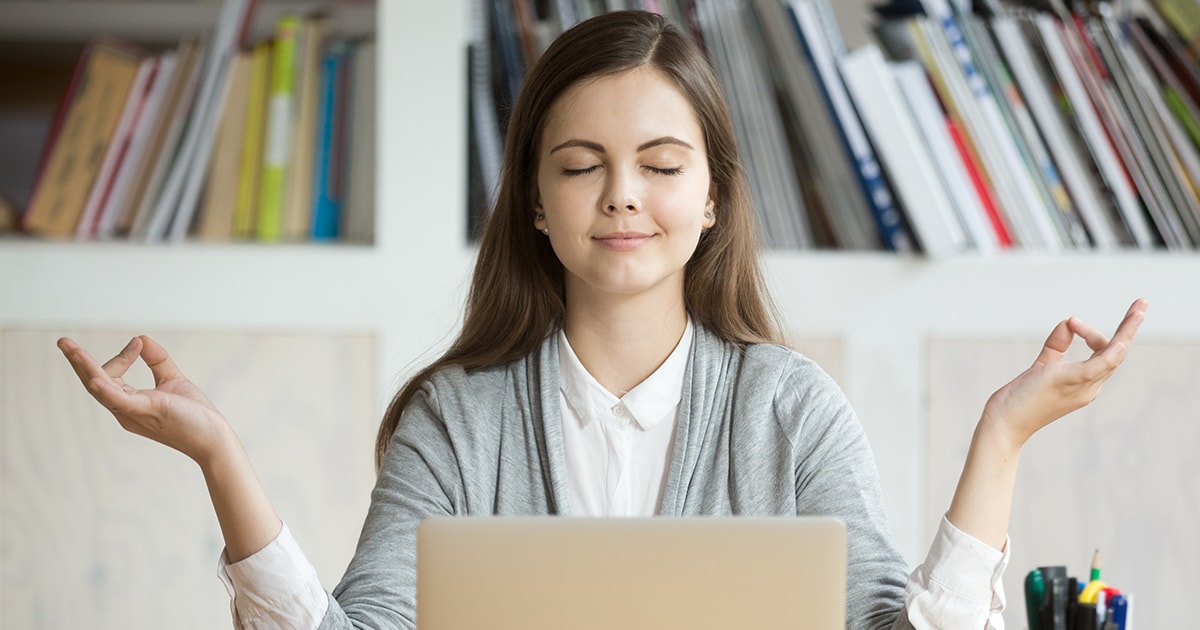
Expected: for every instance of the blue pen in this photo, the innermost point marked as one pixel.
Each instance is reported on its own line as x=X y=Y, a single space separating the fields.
x=1119 y=605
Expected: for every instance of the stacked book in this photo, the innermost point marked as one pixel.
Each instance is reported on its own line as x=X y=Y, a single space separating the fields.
x=218 y=138
x=1031 y=126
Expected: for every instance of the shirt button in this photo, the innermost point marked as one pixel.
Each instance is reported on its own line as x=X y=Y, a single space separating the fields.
x=619 y=411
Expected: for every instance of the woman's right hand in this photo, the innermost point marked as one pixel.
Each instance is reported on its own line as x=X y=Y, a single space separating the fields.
x=175 y=413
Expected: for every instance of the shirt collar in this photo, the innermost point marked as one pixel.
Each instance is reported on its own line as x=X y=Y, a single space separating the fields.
x=650 y=402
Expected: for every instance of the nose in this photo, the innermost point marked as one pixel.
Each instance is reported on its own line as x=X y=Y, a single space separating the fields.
x=620 y=194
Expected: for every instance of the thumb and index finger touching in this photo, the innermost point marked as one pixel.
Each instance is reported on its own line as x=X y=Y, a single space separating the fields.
x=1107 y=353
x=105 y=381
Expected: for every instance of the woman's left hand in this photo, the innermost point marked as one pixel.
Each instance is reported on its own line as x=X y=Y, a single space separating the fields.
x=1053 y=387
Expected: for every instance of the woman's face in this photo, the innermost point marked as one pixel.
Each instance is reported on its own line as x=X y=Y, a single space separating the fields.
x=623 y=186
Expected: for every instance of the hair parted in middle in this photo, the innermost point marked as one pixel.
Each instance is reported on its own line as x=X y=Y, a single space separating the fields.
x=517 y=294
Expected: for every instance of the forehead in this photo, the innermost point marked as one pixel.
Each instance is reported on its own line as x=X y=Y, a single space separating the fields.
x=625 y=108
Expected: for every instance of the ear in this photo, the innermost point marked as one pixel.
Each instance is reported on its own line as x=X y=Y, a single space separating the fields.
x=710 y=215
x=539 y=216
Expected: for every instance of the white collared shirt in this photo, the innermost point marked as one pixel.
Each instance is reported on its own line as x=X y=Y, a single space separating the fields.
x=616 y=449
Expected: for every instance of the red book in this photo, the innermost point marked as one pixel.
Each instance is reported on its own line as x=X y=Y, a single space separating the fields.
x=1003 y=238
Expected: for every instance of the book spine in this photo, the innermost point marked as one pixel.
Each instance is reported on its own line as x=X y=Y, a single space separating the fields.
x=245 y=212
x=278 y=132
x=327 y=158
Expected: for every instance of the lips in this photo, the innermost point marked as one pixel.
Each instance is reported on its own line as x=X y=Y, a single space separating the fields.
x=624 y=241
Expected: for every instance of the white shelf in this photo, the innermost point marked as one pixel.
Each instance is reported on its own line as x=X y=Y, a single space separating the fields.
x=155 y=21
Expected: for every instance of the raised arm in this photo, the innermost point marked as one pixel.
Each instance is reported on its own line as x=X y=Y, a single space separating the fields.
x=1051 y=388
x=176 y=413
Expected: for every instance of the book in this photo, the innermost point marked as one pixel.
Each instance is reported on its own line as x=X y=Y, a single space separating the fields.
x=819 y=45
x=1053 y=38
x=1039 y=95
x=118 y=147
x=245 y=213
x=164 y=140
x=115 y=205
x=834 y=188
x=329 y=171
x=358 y=207
x=220 y=191
x=778 y=200
x=911 y=169
x=106 y=74
x=1145 y=134
x=297 y=205
x=177 y=202
x=1047 y=181
x=277 y=134
x=966 y=224
x=1013 y=182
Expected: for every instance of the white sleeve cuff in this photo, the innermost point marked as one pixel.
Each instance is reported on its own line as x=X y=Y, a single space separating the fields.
x=275 y=587
x=960 y=584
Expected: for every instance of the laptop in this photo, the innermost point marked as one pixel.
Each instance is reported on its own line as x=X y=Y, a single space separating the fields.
x=555 y=573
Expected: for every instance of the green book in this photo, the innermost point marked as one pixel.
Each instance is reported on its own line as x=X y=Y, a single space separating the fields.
x=277 y=137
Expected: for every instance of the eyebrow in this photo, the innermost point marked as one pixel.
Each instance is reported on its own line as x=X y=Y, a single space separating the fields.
x=599 y=148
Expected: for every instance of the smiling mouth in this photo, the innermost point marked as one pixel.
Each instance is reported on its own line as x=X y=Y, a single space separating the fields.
x=624 y=241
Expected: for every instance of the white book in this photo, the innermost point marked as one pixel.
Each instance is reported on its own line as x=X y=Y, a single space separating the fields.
x=1093 y=131
x=890 y=125
x=1040 y=99
x=118 y=148
x=168 y=154
x=969 y=223
x=139 y=139
x=1027 y=213
x=180 y=194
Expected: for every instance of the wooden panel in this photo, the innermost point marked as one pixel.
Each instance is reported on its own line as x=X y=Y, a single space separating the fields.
x=103 y=529
x=828 y=351
x=1120 y=475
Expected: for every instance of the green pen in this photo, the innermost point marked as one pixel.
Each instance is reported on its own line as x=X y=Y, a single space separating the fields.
x=1035 y=590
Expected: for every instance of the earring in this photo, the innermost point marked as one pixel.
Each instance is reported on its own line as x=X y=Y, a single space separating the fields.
x=708 y=214
x=541 y=216
x=546 y=231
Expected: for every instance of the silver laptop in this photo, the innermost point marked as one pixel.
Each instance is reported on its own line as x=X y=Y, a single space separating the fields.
x=553 y=573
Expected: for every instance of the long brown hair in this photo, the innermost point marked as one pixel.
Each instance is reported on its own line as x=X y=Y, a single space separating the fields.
x=517 y=295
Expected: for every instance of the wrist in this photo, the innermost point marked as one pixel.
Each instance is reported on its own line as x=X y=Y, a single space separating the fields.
x=222 y=453
x=994 y=435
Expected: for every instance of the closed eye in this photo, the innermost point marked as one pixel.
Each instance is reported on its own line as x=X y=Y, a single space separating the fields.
x=572 y=172
x=664 y=171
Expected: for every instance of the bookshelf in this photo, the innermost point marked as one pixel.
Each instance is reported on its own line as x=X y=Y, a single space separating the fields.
x=879 y=313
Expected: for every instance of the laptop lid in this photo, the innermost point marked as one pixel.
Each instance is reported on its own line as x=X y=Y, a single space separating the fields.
x=554 y=573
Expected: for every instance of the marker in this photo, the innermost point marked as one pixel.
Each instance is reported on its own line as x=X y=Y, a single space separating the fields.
x=1120 y=611
x=1035 y=589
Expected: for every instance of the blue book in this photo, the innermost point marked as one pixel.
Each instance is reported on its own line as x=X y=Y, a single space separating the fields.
x=330 y=157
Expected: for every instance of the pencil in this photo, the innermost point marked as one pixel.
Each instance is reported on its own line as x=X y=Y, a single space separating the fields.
x=1095 y=566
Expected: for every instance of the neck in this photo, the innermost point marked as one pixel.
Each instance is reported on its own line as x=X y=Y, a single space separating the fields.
x=623 y=340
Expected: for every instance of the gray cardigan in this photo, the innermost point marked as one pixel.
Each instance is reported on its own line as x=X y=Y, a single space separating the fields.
x=762 y=431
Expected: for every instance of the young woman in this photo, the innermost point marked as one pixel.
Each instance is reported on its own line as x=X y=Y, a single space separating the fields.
x=619 y=356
